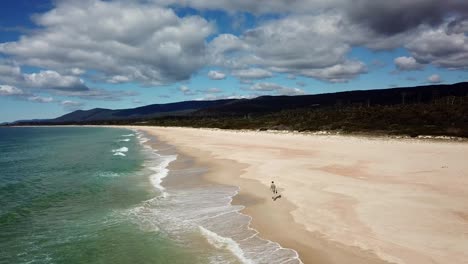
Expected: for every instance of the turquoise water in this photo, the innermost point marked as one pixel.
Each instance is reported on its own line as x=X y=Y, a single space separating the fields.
x=61 y=194
x=97 y=195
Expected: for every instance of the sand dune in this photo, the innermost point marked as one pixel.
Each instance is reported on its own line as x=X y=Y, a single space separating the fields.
x=400 y=201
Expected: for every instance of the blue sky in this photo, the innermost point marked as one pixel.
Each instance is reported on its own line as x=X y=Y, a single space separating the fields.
x=60 y=56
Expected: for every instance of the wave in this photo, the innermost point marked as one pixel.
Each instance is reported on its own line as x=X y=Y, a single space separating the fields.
x=206 y=210
x=123 y=140
x=161 y=171
x=122 y=149
x=220 y=242
x=141 y=138
x=129 y=135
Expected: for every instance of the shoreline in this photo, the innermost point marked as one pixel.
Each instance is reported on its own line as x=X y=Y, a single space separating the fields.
x=348 y=199
x=206 y=174
x=312 y=248
x=325 y=133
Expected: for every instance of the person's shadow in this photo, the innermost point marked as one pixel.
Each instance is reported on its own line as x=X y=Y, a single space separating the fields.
x=277 y=196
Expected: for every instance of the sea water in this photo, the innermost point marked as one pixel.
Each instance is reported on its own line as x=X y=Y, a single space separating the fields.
x=97 y=195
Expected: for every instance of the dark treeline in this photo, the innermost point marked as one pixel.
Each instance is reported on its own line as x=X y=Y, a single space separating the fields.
x=423 y=110
x=443 y=116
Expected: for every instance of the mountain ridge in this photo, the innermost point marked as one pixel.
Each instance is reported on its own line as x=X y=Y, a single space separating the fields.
x=264 y=104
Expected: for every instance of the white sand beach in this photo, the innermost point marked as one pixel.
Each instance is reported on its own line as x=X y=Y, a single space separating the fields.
x=344 y=199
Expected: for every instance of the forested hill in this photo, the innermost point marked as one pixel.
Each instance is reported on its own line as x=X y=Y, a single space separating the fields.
x=432 y=109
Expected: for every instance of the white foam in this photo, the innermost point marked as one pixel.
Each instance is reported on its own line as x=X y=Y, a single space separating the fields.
x=161 y=171
x=143 y=217
x=123 y=140
x=122 y=149
x=129 y=135
x=220 y=242
x=108 y=174
x=209 y=211
x=141 y=138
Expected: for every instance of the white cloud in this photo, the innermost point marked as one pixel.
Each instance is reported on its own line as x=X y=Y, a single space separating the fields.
x=338 y=73
x=143 y=42
x=285 y=45
x=186 y=91
x=407 y=64
x=54 y=80
x=6 y=69
x=7 y=90
x=77 y=71
x=184 y=88
x=40 y=99
x=276 y=88
x=71 y=105
x=118 y=79
x=435 y=78
x=224 y=96
x=382 y=17
x=252 y=74
x=216 y=75
x=9 y=73
x=441 y=48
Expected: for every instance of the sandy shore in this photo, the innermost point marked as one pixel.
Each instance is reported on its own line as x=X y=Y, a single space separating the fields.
x=345 y=199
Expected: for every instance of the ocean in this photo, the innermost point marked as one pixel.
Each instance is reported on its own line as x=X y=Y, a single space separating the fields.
x=99 y=195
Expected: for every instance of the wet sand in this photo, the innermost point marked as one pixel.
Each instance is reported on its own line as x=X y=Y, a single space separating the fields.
x=345 y=199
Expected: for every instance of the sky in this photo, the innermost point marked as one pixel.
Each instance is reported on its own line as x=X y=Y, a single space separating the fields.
x=62 y=55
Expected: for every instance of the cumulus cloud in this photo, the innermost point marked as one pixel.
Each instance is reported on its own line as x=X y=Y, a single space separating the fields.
x=435 y=78
x=284 y=45
x=252 y=74
x=98 y=94
x=148 y=43
x=407 y=64
x=224 y=96
x=186 y=91
x=7 y=90
x=337 y=73
x=118 y=79
x=458 y=25
x=390 y=18
x=54 y=80
x=276 y=88
x=440 y=47
x=71 y=105
x=9 y=73
x=40 y=99
x=77 y=71
x=143 y=42
x=216 y=75
x=382 y=17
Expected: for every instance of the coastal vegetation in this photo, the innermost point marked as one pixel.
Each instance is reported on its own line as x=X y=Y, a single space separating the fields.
x=425 y=110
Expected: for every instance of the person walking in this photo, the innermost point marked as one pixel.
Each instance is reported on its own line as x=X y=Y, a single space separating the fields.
x=273 y=190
